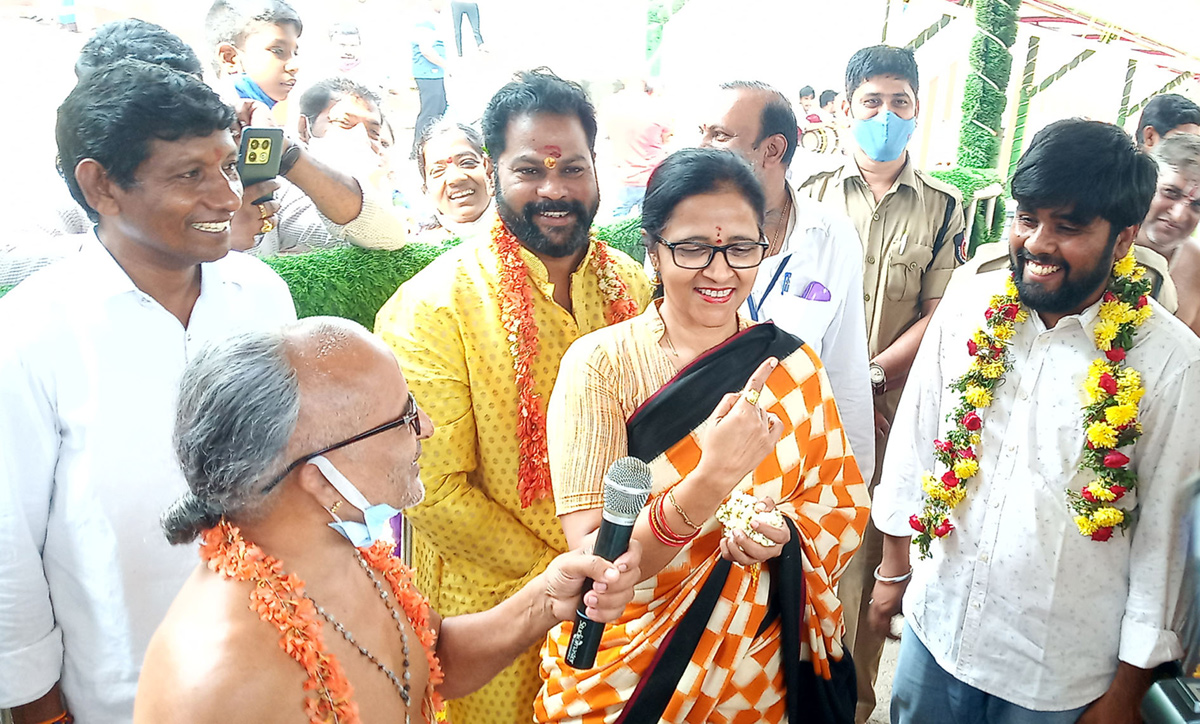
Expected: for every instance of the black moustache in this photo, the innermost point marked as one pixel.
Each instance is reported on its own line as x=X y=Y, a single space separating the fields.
x=539 y=207
x=1025 y=256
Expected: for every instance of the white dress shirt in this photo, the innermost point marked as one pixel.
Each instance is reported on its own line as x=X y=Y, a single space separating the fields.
x=813 y=289
x=1015 y=601
x=89 y=367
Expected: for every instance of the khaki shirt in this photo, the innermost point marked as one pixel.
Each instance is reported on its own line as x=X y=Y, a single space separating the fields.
x=900 y=267
x=991 y=257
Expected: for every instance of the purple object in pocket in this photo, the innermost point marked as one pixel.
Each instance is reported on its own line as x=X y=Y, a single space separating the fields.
x=817 y=292
x=397 y=522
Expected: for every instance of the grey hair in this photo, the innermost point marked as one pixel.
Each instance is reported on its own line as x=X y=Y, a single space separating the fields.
x=239 y=401
x=1180 y=151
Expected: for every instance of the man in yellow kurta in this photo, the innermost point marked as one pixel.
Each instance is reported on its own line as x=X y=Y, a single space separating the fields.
x=480 y=333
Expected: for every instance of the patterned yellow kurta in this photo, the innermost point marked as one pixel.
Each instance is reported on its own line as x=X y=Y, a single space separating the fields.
x=474 y=545
x=734 y=677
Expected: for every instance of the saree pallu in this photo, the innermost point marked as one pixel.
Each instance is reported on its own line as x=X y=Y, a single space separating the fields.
x=734 y=673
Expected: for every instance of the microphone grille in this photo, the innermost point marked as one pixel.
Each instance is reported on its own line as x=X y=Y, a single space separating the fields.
x=626 y=487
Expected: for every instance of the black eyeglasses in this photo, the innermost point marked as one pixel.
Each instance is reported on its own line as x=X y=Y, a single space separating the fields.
x=693 y=255
x=411 y=416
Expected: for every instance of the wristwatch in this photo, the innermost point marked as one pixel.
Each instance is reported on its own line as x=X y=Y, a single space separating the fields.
x=878 y=379
x=289 y=157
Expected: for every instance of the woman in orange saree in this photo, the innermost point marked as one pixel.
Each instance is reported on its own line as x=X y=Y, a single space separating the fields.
x=723 y=629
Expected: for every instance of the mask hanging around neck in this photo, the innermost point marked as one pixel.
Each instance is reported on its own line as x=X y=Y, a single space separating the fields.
x=377 y=519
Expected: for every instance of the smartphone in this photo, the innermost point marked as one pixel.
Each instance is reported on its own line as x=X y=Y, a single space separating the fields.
x=259 y=155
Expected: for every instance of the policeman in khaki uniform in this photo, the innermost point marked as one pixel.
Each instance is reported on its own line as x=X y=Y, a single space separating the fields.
x=911 y=226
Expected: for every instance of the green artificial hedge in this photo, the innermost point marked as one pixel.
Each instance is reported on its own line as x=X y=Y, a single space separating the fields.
x=969 y=181
x=349 y=281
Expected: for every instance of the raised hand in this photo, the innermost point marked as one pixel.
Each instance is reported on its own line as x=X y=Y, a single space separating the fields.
x=741 y=434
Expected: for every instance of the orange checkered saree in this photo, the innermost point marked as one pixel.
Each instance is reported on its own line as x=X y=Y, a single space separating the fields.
x=734 y=670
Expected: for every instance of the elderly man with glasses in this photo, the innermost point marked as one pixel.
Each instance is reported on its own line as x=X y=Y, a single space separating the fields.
x=363 y=642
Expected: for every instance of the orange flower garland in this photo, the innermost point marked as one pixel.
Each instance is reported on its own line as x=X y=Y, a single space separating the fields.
x=516 y=315
x=278 y=598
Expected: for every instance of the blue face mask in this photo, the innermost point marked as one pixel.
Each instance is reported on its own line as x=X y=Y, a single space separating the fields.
x=884 y=136
x=247 y=88
x=378 y=518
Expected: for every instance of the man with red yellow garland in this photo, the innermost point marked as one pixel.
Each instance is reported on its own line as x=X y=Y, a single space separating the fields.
x=1039 y=455
x=480 y=333
x=285 y=438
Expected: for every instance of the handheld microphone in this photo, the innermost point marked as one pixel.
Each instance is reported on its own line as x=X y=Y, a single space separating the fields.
x=626 y=488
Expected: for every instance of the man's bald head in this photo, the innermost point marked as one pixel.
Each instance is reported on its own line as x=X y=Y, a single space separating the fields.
x=340 y=368
x=251 y=403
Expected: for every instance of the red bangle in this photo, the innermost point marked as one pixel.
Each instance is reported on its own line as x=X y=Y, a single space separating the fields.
x=662 y=529
x=63 y=718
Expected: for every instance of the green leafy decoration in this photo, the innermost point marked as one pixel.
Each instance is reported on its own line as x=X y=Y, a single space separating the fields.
x=984 y=100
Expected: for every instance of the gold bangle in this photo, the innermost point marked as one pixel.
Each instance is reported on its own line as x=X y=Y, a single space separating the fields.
x=675 y=504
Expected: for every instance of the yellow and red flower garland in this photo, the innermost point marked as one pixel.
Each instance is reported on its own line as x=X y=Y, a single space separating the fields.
x=1110 y=417
x=278 y=598
x=516 y=315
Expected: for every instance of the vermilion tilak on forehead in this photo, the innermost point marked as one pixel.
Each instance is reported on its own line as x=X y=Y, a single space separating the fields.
x=552 y=151
x=718 y=233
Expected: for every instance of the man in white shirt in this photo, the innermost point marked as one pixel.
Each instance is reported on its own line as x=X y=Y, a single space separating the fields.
x=1026 y=609
x=92 y=354
x=811 y=282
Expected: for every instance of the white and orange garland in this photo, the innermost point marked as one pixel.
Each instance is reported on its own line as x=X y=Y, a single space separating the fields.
x=1110 y=418
x=516 y=315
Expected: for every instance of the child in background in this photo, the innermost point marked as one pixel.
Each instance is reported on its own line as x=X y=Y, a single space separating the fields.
x=255 y=43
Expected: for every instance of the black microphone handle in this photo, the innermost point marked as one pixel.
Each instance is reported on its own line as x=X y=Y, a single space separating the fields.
x=611 y=542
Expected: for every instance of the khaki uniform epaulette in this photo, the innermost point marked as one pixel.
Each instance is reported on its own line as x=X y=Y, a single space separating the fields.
x=939 y=185
x=994 y=257
x=815 y=185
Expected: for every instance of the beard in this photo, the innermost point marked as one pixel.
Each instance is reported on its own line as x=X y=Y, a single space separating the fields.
x=414 y=496
x=1076 y=287
x=522 y=225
